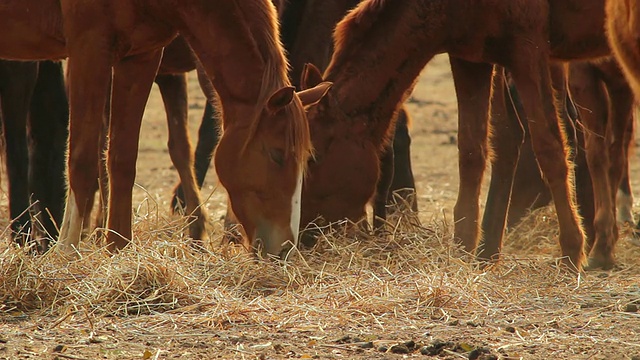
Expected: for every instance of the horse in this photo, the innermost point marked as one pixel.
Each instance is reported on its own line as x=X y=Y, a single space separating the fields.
x=35 y=117
x=380 y=48
x=117 y=46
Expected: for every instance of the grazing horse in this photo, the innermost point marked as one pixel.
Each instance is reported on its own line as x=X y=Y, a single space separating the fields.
x=380 y=49
x=116 y=46
x=35 y=117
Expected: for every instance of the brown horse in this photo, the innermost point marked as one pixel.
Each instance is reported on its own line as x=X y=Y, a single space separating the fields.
x=265 y=146
x=381 y=48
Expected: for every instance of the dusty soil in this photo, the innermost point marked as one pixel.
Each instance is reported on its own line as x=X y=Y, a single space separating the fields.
x=523 y=308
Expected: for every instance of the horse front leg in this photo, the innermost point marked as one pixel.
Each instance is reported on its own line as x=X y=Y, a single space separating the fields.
x=132 y=80
x=173 y=88
x=403 y=184
x=48 y=132
x=530 y=72
x=208 y=137
x=382 y=189
x=89 y=75
x=473 y=88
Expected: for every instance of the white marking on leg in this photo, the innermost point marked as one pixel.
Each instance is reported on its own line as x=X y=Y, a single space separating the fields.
x=625 y=207
x=71 y=229
x=296 y=203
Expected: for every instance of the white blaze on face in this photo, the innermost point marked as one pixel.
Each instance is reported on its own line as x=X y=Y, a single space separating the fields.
x=71 y=229
x=296 y=203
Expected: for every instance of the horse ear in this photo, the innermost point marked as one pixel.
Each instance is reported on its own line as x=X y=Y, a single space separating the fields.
x=314 y=95
x=281 y=98
x=311 y=77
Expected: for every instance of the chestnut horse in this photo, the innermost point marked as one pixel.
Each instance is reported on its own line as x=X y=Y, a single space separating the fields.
x=262 y=154
x=34 y=98
x=381 y=47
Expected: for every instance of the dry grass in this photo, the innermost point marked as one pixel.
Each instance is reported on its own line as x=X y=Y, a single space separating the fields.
x=412 y=284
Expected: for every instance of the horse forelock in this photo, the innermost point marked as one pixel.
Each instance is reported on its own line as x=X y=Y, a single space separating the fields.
x=266 y=32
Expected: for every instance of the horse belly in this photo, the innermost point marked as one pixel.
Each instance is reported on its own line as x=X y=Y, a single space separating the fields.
x=31 y=48
x=31 y=30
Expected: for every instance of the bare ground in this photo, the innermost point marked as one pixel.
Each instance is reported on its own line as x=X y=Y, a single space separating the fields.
x=355 y=298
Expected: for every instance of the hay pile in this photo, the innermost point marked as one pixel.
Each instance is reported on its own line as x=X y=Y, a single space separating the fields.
x=412 y=284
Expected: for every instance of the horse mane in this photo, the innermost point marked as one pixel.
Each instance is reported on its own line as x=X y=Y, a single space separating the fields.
x=354 y=28
x=266 y=35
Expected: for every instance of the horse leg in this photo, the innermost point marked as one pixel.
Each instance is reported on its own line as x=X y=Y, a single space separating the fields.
x=132 y=80
x=173 y=88
x=208 y=137
x=207 y=140
x=576 y=141
x=473 y=86
x=507 y=136
x=382 y=189
x=19 y=81
x=587 y=86
x=48 y=124
x=533 y=81
x=621 y=122
x=209 y=131
x=89 y=73
x=403 y=183
x=529 y=189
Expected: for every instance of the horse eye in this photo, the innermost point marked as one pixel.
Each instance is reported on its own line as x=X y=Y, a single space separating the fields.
x=277 y=156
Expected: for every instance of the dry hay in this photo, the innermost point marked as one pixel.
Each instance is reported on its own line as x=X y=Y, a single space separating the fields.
x=159 y=297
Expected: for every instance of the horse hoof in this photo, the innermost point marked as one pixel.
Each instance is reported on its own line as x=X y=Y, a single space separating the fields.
x=600 y=263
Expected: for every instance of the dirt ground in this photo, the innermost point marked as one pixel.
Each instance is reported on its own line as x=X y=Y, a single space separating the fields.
x=524 y=308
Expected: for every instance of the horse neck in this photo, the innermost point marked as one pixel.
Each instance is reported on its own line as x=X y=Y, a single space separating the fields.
x=236 y=43
x=377 y=60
